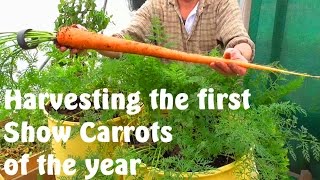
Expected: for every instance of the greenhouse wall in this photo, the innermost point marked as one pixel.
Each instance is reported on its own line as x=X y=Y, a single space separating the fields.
x=288 y=32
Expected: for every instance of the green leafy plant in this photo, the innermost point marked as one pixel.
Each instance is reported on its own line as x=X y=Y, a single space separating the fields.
x=202 y=136
x=270 y=88
x=30 y=79
x=81 y=12
x=36 y=81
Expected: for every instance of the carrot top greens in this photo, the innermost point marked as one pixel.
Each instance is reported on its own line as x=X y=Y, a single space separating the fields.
x=9 y=39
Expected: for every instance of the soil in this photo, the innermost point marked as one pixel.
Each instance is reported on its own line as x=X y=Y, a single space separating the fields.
x=219 y=161
x=17 y=151
x=74 y=115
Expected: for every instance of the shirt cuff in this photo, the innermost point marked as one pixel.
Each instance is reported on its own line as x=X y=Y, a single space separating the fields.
x=238 y=40
x=118 y=35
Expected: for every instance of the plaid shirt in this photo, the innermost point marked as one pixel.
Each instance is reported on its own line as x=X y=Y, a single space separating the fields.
x=217 y=22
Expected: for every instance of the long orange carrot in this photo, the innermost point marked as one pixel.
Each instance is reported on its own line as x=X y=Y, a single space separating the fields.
x=80 y=39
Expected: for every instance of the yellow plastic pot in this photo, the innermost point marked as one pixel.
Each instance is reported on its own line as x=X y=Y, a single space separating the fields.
x=76 y=148
x=232 y=171
x=228 y=172
x=243 y=169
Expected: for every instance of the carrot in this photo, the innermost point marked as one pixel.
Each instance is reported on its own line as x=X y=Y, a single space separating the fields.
x=80 y=39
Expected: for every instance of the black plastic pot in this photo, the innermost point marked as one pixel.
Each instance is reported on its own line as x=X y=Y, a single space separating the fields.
x=135 y=4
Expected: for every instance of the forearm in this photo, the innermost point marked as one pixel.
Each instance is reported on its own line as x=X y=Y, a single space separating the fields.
x=245 y=50
x=111 y=54
x=231 y=30
x=138 y=29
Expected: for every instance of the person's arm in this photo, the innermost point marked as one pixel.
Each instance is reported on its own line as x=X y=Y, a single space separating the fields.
x=245 y=50
x=232 y=33
x=111 y=54
x=139 y=27
x=230 y=27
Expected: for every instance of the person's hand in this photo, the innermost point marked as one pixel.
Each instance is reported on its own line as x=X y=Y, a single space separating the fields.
x=72 y=51
x=230 y=68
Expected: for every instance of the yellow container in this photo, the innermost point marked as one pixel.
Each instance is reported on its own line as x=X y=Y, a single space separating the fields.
x=243 y=169
x=232 y=171
x=228 y=172
x=76 y=148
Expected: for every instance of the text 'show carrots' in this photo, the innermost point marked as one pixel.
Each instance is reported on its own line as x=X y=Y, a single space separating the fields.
x=77 y=38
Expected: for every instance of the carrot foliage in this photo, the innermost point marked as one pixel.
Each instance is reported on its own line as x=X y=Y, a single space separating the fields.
x=200 y=136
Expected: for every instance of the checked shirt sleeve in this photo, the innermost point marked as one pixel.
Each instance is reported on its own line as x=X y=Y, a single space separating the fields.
x=231 y=30
x=140 y=26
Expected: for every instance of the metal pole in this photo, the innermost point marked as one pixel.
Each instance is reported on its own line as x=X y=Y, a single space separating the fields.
x=44 y=63
x=278 y=29
x=105 y=6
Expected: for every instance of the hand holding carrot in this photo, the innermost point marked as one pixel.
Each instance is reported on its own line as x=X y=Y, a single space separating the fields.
x=72 y=50
x=230 y=68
